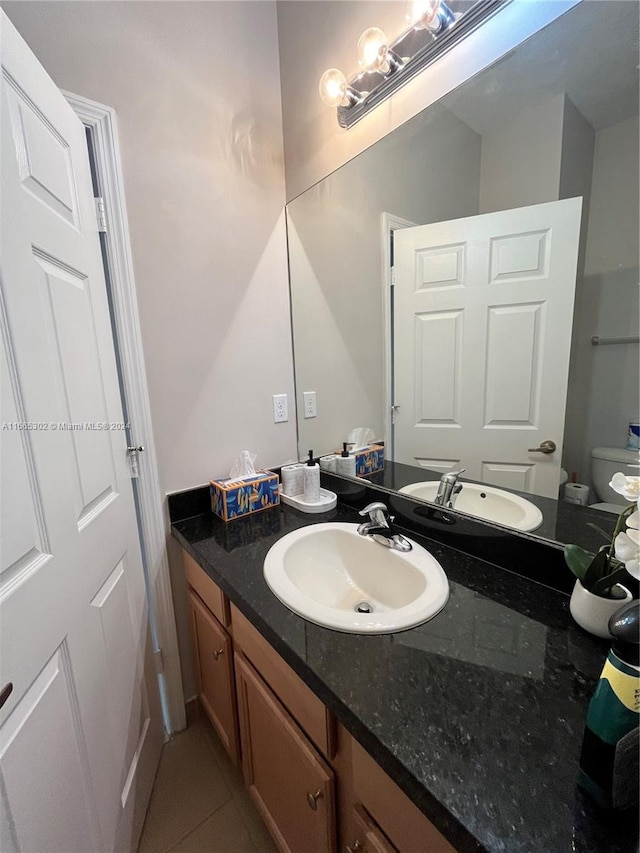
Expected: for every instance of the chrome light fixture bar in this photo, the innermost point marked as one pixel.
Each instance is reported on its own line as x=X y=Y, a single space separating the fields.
x=385 y=67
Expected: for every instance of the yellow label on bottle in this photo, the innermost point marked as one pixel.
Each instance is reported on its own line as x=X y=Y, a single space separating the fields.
x=626 y=687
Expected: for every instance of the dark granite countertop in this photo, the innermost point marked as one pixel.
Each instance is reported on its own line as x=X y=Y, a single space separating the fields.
x=477 y=715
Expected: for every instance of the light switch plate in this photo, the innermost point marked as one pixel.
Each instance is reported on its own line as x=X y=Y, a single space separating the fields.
x=310 y=410
x=280 y=408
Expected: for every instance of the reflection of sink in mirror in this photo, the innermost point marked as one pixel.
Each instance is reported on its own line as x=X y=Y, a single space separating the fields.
x=484 y=502
x=332 y=575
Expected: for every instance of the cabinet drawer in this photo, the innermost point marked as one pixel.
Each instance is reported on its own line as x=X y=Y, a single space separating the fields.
x=288 y=780
x=214 y=665
x=208 y=591
x=301 y=702
x=404 y=824
x=367 y=837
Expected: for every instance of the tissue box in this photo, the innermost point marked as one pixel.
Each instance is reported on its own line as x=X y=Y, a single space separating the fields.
x=369 y=460
x=235 y=498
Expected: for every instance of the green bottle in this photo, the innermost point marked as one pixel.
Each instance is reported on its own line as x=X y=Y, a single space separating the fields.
x=609 y=758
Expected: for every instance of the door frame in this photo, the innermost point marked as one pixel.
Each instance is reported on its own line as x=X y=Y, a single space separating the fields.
x=389 y=223
x=102 y=125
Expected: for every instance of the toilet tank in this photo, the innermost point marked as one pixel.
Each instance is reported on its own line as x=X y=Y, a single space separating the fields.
x=605 y=462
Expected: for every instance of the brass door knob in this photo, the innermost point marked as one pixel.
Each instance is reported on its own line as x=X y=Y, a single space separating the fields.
x=312 y=799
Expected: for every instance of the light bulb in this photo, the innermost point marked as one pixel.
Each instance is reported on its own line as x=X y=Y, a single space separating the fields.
x=373 y=51
x=432 y=15
x=333 y=88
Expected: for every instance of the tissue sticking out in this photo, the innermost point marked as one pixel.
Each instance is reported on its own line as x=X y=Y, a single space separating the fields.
x=247 y=489
x=369 y=456
x=243 y=466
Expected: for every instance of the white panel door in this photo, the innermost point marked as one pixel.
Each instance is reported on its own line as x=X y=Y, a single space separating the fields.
x=80 y=733
x=483 y=308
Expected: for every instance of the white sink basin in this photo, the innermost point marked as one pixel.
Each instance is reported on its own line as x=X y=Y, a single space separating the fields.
x=485 y=502
x=324 y=571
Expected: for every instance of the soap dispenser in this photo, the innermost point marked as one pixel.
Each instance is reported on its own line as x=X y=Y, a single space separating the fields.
x=346 y=462
x=311 y=480
x=609 y=758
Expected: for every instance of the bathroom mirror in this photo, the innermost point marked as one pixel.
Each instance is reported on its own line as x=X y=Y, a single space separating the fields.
x=554 y=120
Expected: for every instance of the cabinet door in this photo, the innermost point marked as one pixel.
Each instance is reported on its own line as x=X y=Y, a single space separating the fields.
x=288 y=780
x=367 y=837
x=214 y=666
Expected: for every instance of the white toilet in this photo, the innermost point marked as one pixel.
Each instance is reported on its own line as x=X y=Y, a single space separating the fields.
x=605 y=462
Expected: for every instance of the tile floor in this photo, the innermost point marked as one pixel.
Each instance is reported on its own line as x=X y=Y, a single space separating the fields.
x=199 y=803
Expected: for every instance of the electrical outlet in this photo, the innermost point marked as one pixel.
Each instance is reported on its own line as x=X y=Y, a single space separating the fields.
x=280 y=408
x=310 y=410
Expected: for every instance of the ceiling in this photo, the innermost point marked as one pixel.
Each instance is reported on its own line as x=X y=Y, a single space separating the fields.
x=590 y=53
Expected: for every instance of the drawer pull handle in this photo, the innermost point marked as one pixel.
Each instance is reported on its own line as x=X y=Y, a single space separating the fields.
x=312 y=799
x=216 y=654
x=356 y=847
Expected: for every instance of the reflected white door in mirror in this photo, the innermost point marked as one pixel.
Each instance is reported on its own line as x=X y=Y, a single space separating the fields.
x=480 y=348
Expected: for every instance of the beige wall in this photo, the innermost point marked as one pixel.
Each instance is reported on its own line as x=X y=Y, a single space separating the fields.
x=613 y=223
x=321 y=34
x=609 y=374
x=197 y=94
x=521 y=159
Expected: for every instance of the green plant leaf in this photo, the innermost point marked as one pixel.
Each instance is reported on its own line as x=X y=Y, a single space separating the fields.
x=598 y=569
x=604 y=586
x=578 y=560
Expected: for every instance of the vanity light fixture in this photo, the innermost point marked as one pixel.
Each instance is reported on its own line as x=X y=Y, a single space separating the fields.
x=385 y=66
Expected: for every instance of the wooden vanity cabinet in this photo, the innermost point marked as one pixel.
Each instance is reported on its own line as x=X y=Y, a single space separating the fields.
x=208 y=591
x=213 y=652
x=316 y=788
x=401 y=821
x=214 y=668
x=290 y=783
x=302 y=703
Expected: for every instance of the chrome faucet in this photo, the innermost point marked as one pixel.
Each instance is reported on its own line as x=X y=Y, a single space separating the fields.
x=449 y=488
x=379 y=528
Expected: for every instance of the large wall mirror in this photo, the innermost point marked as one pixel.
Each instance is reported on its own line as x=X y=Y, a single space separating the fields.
x=509 y=214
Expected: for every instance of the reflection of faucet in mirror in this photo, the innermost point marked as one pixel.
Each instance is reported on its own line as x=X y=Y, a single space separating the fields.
x=379 y=527
x=449 y=488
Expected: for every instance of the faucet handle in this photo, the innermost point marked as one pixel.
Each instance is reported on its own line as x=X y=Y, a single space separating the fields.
x=455 y=474
x=378 y=514
x=376 y=506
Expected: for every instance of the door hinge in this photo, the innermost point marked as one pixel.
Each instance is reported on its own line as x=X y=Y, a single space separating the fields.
x=159 y=659
x=392 y=277
x=101 y=217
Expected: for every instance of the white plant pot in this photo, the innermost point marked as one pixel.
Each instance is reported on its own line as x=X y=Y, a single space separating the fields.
x=592 y=612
